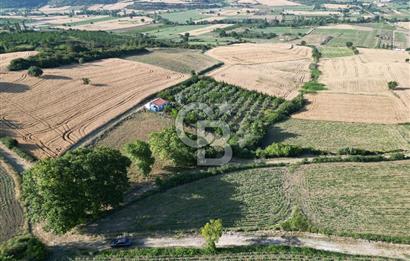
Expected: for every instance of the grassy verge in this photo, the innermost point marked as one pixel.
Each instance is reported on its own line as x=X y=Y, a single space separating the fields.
x=237 y=253
x=13 y=145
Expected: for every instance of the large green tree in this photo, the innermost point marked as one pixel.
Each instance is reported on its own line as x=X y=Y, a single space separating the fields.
x=65 y=191
x=140 y=154
x=166 y=145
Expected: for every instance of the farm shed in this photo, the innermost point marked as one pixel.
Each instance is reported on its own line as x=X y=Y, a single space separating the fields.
x=156 y=105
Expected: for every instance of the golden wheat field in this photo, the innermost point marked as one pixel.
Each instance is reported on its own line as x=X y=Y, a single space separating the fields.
x=274 y=69
x=49 y=114
x=358 y=91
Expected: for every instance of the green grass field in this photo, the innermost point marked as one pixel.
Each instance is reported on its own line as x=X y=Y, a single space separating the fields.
x=93 y=20
x=179 y=60
x=11 y=213
x=400 y=40
x=269 y=252
x=332 y=136
x=172 y=32
x=251 y=199
x=357 y=198
x=183 y=16
x=283 y=30
x=333 y=52
x=357 y=37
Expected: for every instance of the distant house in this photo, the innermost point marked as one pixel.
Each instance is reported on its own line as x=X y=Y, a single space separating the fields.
x=156 y=105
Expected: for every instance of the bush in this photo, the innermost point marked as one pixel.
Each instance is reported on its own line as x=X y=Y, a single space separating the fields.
x=312 y=87
x=212 y=231
x=9 y=142
x=35 y=71
x=392 y=85
x=297 y=222
x=397 y=156
x=86 y=81
x=355 y=151
x=24 y=247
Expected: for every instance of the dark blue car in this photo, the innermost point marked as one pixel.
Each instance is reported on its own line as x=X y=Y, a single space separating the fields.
x=121 y=242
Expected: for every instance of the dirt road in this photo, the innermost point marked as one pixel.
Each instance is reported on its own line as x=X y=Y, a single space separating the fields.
x=321 y=242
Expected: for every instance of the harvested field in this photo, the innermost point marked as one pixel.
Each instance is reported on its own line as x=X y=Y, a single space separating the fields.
x=6 y=58
x=332 y=136
x=179 y=60
x=54 y=10
x=205 y=30
x=11 y=213
x=350 y=107
x=49 y=114
x=116 y=6
x=250 y=199
x=60 y=20
x=357 y=89
x=357 y=198
x=114 y=24
x=405 y=25
x=274 y=69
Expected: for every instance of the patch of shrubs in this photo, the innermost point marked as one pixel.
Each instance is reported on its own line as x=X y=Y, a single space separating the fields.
x=35 y=71
x=297 y=222
x=355 y=151
x=13 y=145
x=284 y=150
x=24 y=247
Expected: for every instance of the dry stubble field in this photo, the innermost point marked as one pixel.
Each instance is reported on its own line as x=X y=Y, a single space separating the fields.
x=49 y=114
x=11 y=213
x=274 y=69
x=357 y=89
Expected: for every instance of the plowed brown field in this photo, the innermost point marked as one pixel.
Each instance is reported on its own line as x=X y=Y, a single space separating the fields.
x=49 y=114
x=274 y=69
x=357 y=89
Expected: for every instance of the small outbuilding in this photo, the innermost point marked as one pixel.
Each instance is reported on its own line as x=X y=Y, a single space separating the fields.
x=156 y=105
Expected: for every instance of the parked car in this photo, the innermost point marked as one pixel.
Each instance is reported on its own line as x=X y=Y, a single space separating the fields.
x=121 y=242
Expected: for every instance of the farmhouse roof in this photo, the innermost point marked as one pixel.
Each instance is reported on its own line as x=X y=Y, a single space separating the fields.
x=160 y=102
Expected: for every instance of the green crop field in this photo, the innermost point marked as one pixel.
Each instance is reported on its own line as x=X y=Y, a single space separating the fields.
x=283 y=30
x=93 y=20
x=400 y=40
x=357 y=198
x=270 y=252
x=333 y=52
x=357 y=37
x=251 y=199
x=184 y=16
x=173 y=32
x=179 y=60
x=332 y=136
x=11 y=213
